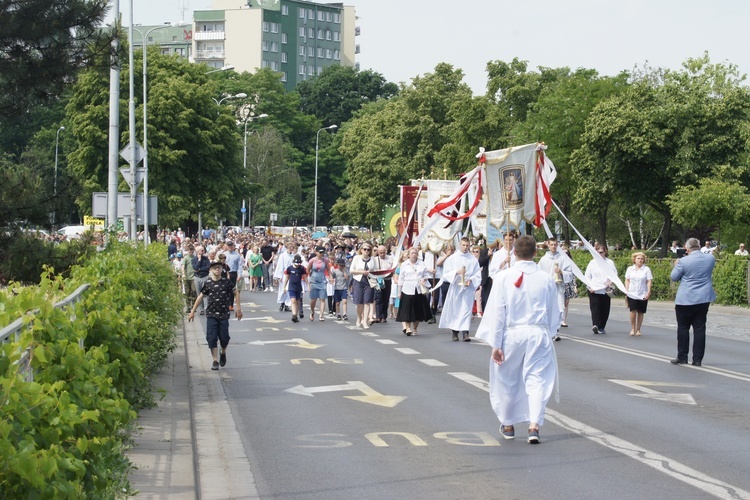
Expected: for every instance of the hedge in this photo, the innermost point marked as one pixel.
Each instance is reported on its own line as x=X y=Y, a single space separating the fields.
x=64 y=434
x=730 y=276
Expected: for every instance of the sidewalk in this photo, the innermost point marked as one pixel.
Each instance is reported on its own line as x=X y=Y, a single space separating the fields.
x=163 y=453
x=188 y=446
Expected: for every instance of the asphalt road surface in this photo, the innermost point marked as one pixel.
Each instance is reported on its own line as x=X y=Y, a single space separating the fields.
x=325 y=410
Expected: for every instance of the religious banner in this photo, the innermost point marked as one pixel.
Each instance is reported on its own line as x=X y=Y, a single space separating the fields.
x=434 y=193
x=392 y=221
x=516 y=177
x=409 y=201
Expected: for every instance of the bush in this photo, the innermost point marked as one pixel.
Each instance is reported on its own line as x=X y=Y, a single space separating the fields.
x=64 y=434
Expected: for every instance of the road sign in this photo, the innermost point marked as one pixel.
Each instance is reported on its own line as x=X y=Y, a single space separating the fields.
x=140 y=153
x=139 y=175
x=272 y=217
x=99 y=206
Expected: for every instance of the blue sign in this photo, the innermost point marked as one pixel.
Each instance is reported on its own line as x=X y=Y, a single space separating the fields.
x=243 y=210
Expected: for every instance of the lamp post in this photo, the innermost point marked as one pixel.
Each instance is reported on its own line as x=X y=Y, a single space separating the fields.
x=228 y=67
x=145 y=124
x=218 y=102
x=244 y=159
x=57 y=143
x=315 y=201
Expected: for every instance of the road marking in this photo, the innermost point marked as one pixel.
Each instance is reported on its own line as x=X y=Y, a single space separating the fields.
x=386 y=341
x=432 y=362
x=657 y=357
x=661 y=463
x=472 y=380
x=369 y=334
x=639 y=385
x=407 y=350
x=264 y=319
x=371 y=396
x=290 y=342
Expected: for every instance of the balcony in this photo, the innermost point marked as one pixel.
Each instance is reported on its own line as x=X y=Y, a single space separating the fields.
x=209 y=54
x=209 y=35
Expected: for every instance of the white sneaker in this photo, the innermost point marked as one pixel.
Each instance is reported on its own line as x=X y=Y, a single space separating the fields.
x=270 y=289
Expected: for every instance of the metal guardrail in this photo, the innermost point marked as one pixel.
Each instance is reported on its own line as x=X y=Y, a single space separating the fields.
x=13 y=331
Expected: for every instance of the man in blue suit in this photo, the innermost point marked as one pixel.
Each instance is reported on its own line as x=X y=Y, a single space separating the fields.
x=694 y=295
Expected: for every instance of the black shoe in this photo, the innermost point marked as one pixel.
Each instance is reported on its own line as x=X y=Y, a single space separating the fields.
x=301 y=314
x=696 y=363
x=215 y=366
x=556 y=338
x=678 y=361
x=455 y=336
x=431 y=321
x=281 y=308
x=222 y=358
x=466 y=337
x=294 y=318
x=602 y=331
x=595 y=329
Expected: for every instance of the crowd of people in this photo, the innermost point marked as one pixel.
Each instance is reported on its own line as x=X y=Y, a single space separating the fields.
x=520 y=314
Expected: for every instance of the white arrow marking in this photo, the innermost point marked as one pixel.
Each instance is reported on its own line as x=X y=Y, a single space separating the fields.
x=371 y=396
x=471 y=379
x=290 y=342
x=264 y=319
x=638 y=385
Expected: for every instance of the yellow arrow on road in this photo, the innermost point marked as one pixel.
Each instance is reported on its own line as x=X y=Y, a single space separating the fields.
x=289 y=342
x=371 y=396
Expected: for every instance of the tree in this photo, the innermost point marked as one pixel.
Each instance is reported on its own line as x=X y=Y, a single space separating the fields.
x=43 y=43
x=194 y=149
x=339 y=91
x=649 y=140
x=714 y=203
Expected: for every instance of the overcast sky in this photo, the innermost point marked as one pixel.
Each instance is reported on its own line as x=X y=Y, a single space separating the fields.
x=405 y=38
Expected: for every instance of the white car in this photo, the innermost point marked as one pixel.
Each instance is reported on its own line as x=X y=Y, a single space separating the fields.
x=72 y=231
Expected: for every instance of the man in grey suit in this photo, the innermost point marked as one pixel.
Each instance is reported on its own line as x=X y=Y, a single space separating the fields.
x=694 y=295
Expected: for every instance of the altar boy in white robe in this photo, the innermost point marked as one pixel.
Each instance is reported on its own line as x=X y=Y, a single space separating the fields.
x=463 y=273
x=522 y=316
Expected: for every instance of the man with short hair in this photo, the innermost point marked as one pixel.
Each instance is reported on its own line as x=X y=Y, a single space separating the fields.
x=694 y=295
x=741 y=251
x=561 y=271
x=523 y=313
x=463 y=273
x=221 y=293
x=268 y=252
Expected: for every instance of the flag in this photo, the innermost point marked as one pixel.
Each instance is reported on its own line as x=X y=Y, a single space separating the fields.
x=511 y=186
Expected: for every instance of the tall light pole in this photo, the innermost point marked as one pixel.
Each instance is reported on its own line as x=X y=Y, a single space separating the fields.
x=57 y=143
x=244 y=160
x=218 y=102
x=145 y=124
x=315 y=202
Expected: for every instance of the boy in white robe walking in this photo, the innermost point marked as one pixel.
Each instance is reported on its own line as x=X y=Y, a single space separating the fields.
x=463 y=273
x=522 y=316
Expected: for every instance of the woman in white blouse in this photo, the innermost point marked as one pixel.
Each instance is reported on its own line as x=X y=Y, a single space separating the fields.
x=414 y=306
x=638 y=279
x=362 y=284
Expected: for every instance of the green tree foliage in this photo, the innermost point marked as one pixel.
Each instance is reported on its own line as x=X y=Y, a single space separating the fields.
x=644 y=143
x=43 y=43
x=194 y=149
x=713 y=203
x=339 y=91
x=433 y=125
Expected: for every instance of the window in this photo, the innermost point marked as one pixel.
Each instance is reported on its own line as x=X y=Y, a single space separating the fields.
x=275 y=65
x=329 y=16
x=310 y=32
x=337 y=17
x=321 y=34
x=284 y=10
x=329 y=53
x=321 y=52
x=301 y=69
x=265 y=26
x=302 y=13
x=310 y=14
x=274 y=27
x=283 y=57
x=265 y=63
x=328 y=34
x=311 y=70
x=321 y=15
x=336 y=36
x=283 y=76
x=319 y=69
x=311 y=51
x=302 y=50
x=265 y=46
x=274 y=46
x=336 y=55
x=283 y=38
x=302 y=31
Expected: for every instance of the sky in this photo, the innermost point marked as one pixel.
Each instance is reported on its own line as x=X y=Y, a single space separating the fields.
x=402 y=39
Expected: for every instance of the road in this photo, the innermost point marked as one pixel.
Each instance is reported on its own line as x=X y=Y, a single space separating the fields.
x=325 y=410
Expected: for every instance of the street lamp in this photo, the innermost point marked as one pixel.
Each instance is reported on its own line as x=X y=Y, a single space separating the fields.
x=315 y=202
x=218 y=102
x=57 y=143
x=145 y=122
x=228 y=67
x=244 y=159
